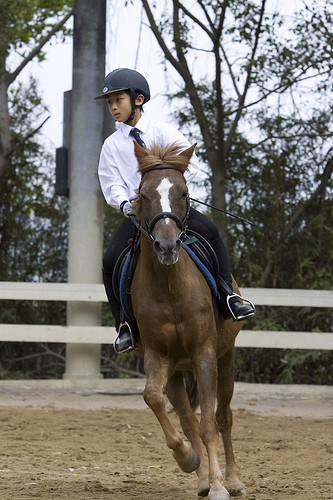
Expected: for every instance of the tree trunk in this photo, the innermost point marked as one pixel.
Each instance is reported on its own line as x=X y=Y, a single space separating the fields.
x=5 y=134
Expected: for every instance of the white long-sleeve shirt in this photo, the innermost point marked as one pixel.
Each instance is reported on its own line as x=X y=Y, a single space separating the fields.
x=118 y=166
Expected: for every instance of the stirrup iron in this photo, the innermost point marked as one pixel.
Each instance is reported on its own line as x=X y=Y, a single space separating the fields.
x=232 y=296
x=115 y=346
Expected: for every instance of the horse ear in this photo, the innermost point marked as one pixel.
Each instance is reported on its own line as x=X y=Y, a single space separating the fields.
x=139 y=151
x=187 y=153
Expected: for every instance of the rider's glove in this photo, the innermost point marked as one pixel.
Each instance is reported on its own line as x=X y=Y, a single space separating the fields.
x=127 y=208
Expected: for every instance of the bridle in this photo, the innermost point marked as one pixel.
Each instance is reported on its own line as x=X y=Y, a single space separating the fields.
x=162 y=215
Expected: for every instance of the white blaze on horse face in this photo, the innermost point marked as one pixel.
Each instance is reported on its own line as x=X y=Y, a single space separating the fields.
x=163 y=190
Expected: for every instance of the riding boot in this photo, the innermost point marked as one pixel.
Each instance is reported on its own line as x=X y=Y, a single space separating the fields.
x=229 y=302
x=124 y=341
x=234 y=302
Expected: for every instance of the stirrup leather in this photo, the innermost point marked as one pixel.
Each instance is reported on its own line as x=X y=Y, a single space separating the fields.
x=229 y=297
x=115 y=346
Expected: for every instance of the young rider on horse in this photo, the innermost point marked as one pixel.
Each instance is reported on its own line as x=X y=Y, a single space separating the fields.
x=126 y=91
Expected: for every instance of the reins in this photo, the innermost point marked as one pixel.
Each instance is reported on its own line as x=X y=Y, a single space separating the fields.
x=164 y=215
x=224 y=212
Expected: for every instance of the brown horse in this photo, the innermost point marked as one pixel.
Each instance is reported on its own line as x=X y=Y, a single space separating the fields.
x=172 y=304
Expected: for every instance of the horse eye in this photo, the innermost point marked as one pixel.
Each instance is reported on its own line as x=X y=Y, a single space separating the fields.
x=185 y=194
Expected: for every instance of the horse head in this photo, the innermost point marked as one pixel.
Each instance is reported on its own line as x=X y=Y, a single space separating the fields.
x=163 y=200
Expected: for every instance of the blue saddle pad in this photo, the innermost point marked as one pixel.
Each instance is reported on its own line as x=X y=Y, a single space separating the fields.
x=203 y=269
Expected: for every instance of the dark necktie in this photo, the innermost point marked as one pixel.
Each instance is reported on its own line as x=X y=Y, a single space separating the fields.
x=135 y=132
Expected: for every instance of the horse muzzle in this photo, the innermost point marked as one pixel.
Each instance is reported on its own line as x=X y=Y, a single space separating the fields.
x=167 y=250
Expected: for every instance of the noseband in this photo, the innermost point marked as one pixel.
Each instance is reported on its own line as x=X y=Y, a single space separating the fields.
x=162 y=215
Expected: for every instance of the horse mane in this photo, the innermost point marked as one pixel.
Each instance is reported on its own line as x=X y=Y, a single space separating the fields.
x=161 y=155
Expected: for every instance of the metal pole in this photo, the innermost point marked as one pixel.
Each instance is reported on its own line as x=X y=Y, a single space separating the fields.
x=85 y=244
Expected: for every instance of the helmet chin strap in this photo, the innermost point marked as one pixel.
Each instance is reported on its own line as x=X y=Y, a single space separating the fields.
x=131 y=116
x=134 y=106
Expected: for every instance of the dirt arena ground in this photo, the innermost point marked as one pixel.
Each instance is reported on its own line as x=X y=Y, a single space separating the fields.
x=97 y=440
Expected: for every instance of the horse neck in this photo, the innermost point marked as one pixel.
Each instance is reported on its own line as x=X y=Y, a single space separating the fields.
x=147 y=252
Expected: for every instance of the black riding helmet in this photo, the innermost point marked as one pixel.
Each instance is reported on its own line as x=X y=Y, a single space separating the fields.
x=126 y=79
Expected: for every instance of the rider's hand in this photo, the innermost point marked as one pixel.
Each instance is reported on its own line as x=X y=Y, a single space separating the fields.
x=127 y=208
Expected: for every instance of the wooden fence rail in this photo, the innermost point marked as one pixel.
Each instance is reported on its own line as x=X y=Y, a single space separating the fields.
x=81 y=292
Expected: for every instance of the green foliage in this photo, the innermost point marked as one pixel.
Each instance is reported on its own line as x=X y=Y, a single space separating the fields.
x=31 y=360
x=23 y=23
x=271 y=184
x=283 y=366
x=33 y=221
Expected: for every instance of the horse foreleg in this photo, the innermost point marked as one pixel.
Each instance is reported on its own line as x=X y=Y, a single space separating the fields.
x=157 y=378
x=206 y=371
x=224 y=420
x=177 y=395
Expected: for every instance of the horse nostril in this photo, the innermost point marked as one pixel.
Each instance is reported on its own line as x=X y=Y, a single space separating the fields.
x=177 y=246
x=157 y=247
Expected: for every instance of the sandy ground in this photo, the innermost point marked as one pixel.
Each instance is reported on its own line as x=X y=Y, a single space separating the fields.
x=97 y=440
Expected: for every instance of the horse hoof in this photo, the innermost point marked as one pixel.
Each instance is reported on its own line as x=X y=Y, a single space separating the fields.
x=203 y=487
x=222 y=495
x=192 y=464
x=236 y=490
x=219 y=496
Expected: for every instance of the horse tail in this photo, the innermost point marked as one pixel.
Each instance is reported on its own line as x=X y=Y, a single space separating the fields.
x=191 y=387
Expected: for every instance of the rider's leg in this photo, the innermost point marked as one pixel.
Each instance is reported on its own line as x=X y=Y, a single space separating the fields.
x=118 y=243
x=228 y=300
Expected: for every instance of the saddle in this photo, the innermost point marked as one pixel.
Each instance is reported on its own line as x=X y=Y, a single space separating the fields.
x=198 y=248
x=204 y=256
